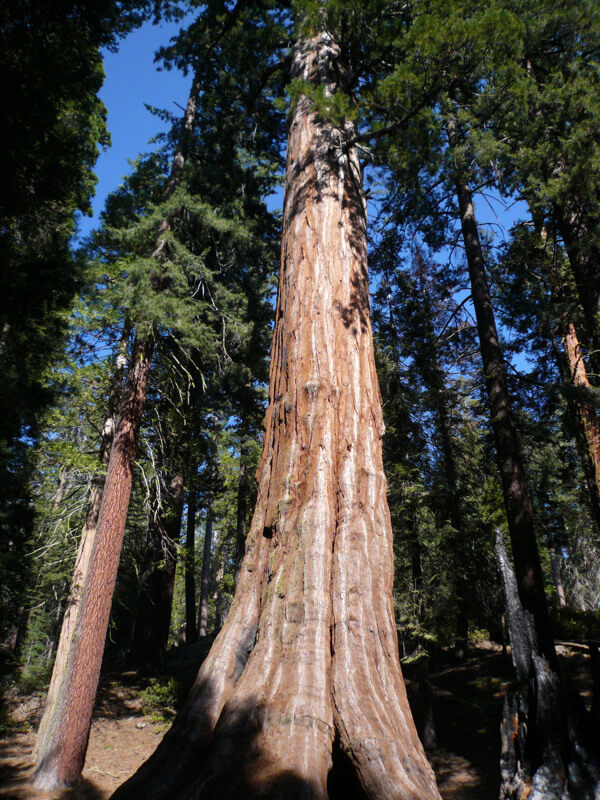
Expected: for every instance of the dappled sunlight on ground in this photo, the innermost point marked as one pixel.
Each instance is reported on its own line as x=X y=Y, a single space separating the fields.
x=121 y=739
x=467 y=705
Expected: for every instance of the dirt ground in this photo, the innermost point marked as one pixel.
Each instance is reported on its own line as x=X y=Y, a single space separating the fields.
x=121 y=739
x=467 y=705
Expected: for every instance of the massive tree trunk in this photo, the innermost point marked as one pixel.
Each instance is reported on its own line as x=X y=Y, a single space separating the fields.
x=151 y=633
x=302 y=695
x=86 y=546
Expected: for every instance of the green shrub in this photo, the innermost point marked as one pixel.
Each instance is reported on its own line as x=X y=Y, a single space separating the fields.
x=159 y=699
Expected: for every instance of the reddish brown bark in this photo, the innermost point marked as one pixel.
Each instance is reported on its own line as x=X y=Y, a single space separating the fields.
x=86 y=546
x=580 y=402
x=61 y=751
x=586 y=412
x=578 y=235
x=307 y=662
x=61 y=745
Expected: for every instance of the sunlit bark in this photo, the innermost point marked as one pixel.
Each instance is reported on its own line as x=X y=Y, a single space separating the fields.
x=302 y=687
x=65 y=730
x=82 y=561
x=586 y=412
x=63 y=736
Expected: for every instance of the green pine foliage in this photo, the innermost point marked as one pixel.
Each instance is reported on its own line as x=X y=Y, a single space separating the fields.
x=521 y=82
x=52 y=128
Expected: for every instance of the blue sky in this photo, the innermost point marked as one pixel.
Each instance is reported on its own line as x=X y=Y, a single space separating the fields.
x=132 y=79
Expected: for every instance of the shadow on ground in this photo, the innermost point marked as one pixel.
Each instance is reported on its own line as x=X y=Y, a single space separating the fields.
x=467 y=701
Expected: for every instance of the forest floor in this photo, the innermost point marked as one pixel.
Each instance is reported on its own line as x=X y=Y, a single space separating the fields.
x=467 y=705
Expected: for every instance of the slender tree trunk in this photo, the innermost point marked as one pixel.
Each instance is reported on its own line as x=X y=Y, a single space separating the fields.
x=462 y=588
x=212 y=472
x=586 y=413
x=82 y=561
x=545 y=726
x=584 y=258
x=206 y=555
x=572 y=367
x=62 y=487
x=560 y=591
x=302 y=693
x=151 y=633
x=508 y=451
x=219 y=605
x=437 y=385
x=191 y=632
x=593 y=497
x=416 y=565
x=65 y=731
x=61 y=748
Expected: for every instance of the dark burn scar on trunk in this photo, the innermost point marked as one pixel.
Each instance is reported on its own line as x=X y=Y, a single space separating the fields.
x=244 y=648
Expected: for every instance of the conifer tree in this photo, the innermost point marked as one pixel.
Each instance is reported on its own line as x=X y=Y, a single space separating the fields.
x=466 y=49
x=546 y=123
x=53 y=126
x=539 y=292
x=62 y=750
x=288 y=702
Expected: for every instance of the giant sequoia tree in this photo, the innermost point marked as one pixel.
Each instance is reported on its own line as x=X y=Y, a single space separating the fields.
x=302 y=693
